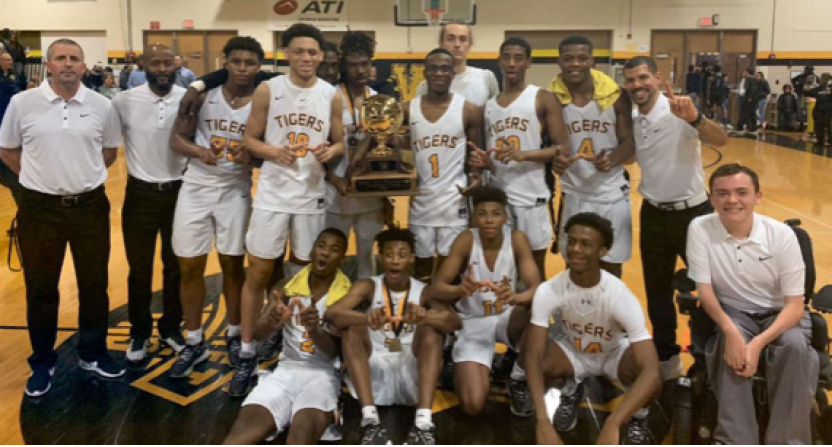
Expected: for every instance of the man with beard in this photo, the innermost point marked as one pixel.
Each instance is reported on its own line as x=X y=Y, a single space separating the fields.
x=146 y=115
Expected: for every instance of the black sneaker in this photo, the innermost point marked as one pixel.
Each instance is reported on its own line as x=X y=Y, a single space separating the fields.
x=240 y=384
x=174 y=341
x=566 y=416
x=374 y=434
x=418 y=436
x=189 y=357
x=522 y=404
x=40 y=382
x=137 y=351
x=104 y=366
x=501 y=369
x=235 y=345
x=270 y=349
x=638 y=432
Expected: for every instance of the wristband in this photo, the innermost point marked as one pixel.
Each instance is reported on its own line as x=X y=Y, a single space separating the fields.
x=198 y=85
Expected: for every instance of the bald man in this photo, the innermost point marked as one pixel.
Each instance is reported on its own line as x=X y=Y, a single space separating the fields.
x=146 y=115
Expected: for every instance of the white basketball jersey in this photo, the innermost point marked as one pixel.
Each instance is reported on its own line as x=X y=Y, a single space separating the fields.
x=517 y=126
x=439 y=150
x=336 y=203
x=298 y=346
x=380 y=337
x=220 y=128
x=484 y=302
x=296 y=115
x=591 y=131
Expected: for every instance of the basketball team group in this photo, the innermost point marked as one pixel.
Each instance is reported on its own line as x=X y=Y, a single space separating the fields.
x=467 y=273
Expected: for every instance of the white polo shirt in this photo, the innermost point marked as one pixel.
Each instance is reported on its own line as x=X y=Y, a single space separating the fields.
x=62 y=141
x=669 y=154
x=146 y=120
x=751 y=275
x=476 y=85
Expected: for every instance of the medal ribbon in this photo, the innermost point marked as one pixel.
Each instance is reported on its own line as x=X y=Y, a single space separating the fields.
x=397 y=327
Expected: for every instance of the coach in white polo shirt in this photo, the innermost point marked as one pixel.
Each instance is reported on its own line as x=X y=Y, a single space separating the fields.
x=750 y=276
x=60 y=139
x=668 y=133
x=146 y=115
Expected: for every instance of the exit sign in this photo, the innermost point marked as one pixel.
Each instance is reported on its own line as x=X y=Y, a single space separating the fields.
x=188 y=24
x=706 y=21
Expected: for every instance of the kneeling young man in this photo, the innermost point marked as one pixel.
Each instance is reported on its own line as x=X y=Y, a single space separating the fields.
x=491 y=258
x=304 y=388
x=604 y=334
x=393 y=350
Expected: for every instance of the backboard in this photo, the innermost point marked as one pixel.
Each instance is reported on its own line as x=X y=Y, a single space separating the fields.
x=434 y=12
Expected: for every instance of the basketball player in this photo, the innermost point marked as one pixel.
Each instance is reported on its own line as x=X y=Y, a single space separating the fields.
x=330 y=66
x=304 y=388
x=295 y=127
x=491 y=259
x=514 y=122
x=600 y=125
x=474 y=84
x=441 y=125
x=392 y=350
x=215 y=199
x=604 y=334
x=364 y=215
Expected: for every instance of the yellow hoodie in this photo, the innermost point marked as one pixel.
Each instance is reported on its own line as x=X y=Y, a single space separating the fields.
x=299 y=286
x=605 y=94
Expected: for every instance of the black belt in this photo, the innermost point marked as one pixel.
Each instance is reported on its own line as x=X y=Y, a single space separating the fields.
x=66 y=201
x=762 y=316
x=165 y=186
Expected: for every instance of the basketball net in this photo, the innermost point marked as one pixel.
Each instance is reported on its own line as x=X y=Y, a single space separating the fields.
x=434 y=16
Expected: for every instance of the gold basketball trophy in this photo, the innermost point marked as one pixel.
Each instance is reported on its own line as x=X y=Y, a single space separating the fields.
x=381 y=172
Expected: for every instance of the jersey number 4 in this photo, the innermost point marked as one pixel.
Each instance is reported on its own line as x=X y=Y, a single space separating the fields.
x=308 y=345
x=298 y=138
x=591 y=348
x=586 y=148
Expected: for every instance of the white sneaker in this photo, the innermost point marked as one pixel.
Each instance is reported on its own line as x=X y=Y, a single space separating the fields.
x=137 y=351
x=671 y=369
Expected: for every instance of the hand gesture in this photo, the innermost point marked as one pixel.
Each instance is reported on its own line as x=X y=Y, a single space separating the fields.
x=207 y=156
x=377 y=318
x=278 y=313
x=240 y=154
x=415 y=314
x=507 y=154
x=309 y=317
x=288 y=154
x=474 y=182
x=560 y=163
x=478 y=157
x=503 y=291
x=681 y=106
x=602 y=161
x=468 y=285
x=322 y=152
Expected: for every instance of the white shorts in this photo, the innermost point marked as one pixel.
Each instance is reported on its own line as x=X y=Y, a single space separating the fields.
x=593 y=365
x=207 y=212
x=394 y=377
x=475 y=341
x=435 y=240
x=291 y=388
x=269 y=230
x=619 y=213
x=366 y=225
x=534 y=222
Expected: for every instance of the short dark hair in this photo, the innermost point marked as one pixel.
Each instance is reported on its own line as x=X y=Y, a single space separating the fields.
x=717 y=68
x=243 y=43
x=439 y=51
x=691 y=68
x=396 y=234
x=517 y=42
x=456 y=22
x=597 y=223
x=750 y=71
x=733 y=169
x=575 y=40
x=302 y=30
x=356 y=42
x=488 y=193
x=332 y=231
x=328 y=47
x=62 y=41
x=642 y=60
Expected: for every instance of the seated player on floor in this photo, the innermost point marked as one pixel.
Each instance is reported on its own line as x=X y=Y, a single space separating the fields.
x=491 y=258
x=304 y=388
x=604 y=334
x=393 y=348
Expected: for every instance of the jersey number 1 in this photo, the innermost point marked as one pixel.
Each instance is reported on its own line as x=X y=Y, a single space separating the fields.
x=308 y=345
x=434 y=165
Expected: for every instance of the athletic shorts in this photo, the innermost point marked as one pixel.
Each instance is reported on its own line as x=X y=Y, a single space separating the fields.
x=534 y=222
x=618 y=213
x=366 y=225
x=593 y=365
x=475 y=341
x=435 y=240
x=269 y=230
x=205 y=213
x=394 y=377
x=291 y=388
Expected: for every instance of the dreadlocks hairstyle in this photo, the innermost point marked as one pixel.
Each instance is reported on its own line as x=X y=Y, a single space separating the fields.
x=356 y=42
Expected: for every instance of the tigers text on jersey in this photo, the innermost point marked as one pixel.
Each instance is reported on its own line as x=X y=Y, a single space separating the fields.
x=517 y=126
x=220 y=128
x=439 y=150
x=296 y=116
x=298 y=346
x=412 y=295
x=484 y=302
x=592 y=130
x=594 y=319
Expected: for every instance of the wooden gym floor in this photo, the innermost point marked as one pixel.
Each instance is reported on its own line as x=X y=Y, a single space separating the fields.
x=795 y=182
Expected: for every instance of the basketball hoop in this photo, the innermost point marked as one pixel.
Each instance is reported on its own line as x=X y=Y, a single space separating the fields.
x=434 y=11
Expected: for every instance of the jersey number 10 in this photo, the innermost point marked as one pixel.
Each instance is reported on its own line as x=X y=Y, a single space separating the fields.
x=298 y=138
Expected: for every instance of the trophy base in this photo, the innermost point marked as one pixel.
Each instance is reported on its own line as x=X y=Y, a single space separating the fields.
x=384 y=184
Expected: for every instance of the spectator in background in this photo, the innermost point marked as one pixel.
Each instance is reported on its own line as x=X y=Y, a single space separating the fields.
x=124 y=77
x=5 y=37
x=787 y=105
x=138 y=76
x=799 y=83
x=94 y=78
x=184 y=75
x=716 y=92
x=34 y=82
x=822 y=114
x=17 y=51
x=11 y=83
x=109 y=88
x=761 y=106
x=749 y=91
x=693 y=85
x=705 y=73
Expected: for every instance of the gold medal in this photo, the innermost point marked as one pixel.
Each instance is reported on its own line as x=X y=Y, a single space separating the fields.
x=394 y=344
x=396 y=324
